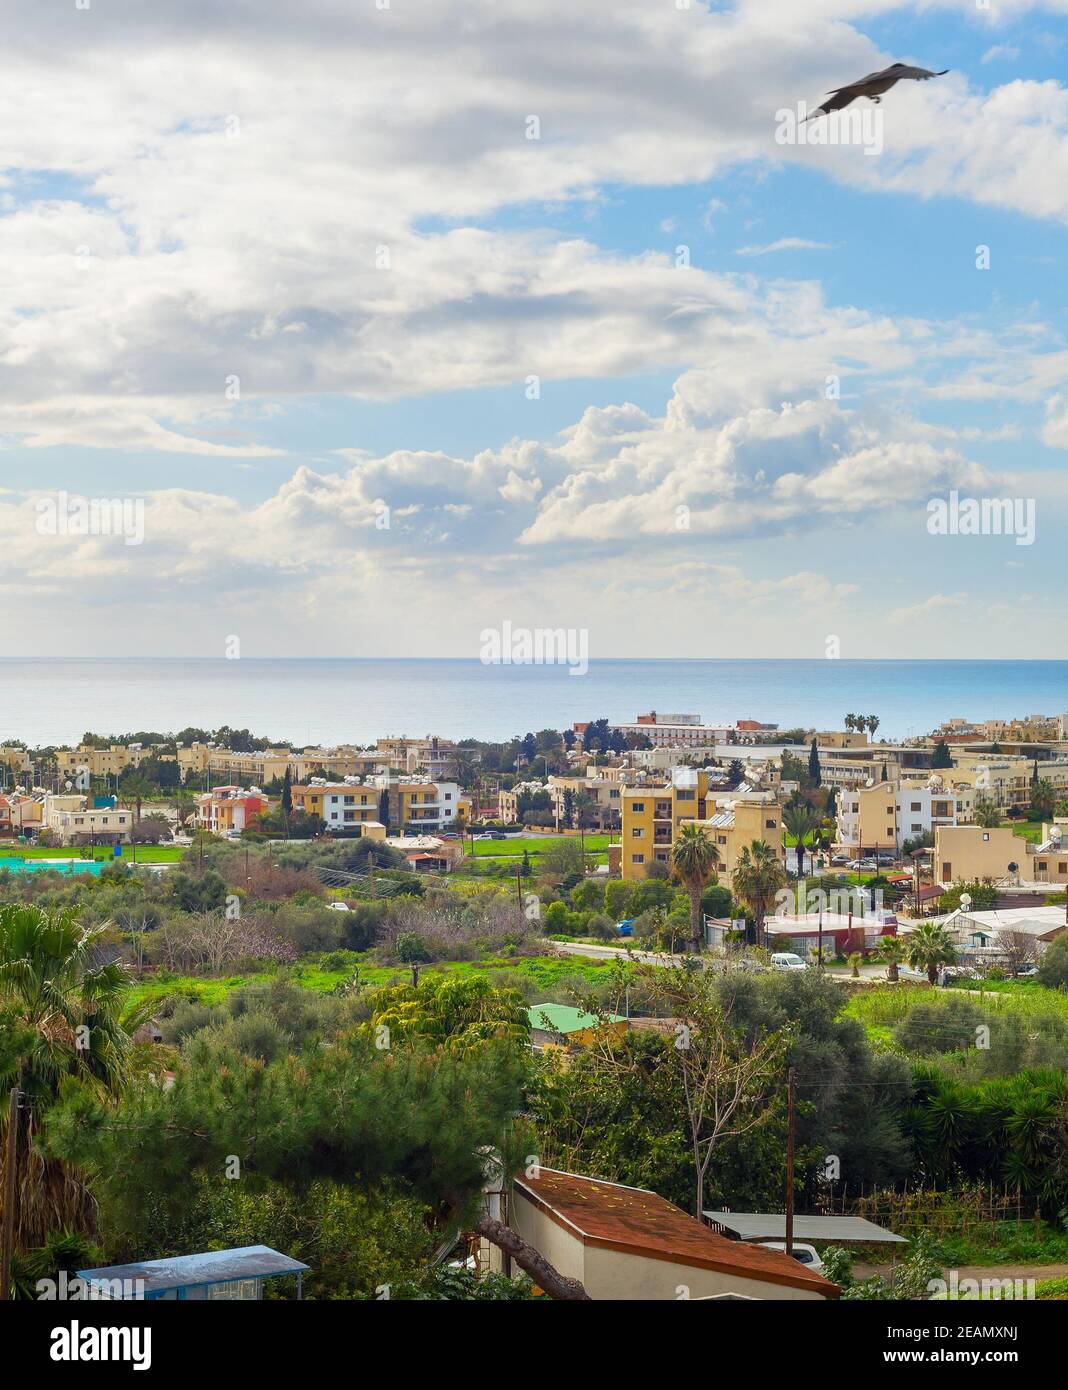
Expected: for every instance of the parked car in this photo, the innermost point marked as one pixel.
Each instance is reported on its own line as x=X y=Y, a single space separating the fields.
x=804 y=1254
x=841 y=859
x=787 y=960
x=1027 y=971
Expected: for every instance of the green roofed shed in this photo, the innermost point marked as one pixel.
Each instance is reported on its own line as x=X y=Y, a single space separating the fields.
x=562 y=1018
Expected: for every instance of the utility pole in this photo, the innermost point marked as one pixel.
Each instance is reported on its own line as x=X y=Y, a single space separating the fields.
x=8 y=1246
x=790 y=1161
x=519 y=890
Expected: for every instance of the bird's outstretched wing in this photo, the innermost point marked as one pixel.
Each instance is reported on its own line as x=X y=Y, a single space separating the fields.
x=862 y=81
x=919 y=74
x=896 y=72
x=839 y=98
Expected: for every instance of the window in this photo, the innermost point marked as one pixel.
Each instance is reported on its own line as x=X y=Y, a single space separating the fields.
x=637 y=858
x=638 y=806
x=637 y=832
x=769 y=825
x=947 y=873
x=1042 y=865
x=915 y=806
x=916 y=827
x=986 y=835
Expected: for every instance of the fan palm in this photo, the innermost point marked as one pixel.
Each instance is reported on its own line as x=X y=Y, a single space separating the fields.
x=800 y=820
x=695 y=859
x=892 y=950
x=757 y=877
x=929 y=947
x=61 y=1011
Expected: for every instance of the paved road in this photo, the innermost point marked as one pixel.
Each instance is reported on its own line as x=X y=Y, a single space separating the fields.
x=873 y=973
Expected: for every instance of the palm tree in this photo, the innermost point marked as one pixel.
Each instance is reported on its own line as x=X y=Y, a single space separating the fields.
x=930 y=946
x=800 y=820
x=892 y=950
x=135 y=787
x=757 y=877
x=695 y=859
x=872 y=722
x=61 y=1014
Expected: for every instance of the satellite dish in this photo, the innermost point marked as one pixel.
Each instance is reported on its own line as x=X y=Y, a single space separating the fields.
x=1055 y=835
x=68 y=785
x=1014 y=868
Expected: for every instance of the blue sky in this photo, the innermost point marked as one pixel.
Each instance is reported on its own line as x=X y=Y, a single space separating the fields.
x=190 y=221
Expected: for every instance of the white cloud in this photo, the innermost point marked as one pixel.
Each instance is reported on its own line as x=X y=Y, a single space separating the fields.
x=787 y=243
x=220 y=205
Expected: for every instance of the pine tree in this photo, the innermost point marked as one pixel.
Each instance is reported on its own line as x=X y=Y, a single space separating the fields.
x=814 y=765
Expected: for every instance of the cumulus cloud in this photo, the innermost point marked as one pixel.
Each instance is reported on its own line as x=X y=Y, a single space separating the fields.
x=296 y=203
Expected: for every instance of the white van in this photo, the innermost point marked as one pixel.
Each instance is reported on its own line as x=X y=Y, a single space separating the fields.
x=787 y=960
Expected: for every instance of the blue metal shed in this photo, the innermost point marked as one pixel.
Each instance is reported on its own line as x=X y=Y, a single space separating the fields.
x=215 y=1274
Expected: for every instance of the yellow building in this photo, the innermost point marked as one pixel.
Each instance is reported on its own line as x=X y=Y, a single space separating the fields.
x=100 y=762
x=425 y=806
x=652 y=816
x=228 y=810
x=340 y=806
x=970 y=853
x=884 y=816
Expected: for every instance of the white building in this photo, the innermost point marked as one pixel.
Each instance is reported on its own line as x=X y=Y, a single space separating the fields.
x=886 y=814
x=73 y=821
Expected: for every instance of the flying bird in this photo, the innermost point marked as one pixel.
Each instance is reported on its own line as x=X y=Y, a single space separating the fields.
x=874 y=85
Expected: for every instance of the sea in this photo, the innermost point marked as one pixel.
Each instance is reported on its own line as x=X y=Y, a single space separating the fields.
x=330 y=701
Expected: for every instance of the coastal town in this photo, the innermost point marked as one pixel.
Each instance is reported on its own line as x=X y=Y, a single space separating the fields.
x=847 y=912
x=533 y=747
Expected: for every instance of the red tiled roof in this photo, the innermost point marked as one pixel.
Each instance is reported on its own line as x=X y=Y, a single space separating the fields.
x=638 y=1222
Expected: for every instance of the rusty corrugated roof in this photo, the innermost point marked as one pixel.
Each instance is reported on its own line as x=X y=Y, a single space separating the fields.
x=635 y=1221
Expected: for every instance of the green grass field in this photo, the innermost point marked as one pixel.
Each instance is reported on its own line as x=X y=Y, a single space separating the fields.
x=541 y=972
x=1030 y=830
x=514 y=846
x=144 y=854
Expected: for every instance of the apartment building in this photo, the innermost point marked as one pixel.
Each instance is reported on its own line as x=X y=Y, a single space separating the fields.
x=970 y=853
x=199 y=760
x=423 y=806
x=653 y=815
x=737 y=819
x=1003 y=779
x=342 y=805
x=16 y=760
x=601 y=794
x=229 y=809
x=887 y=814
x=677 y=730
x=83 y=820
x=20 y=814
x=432 y=757
x=508 y=799
x=101 y=762
x=841 y=738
